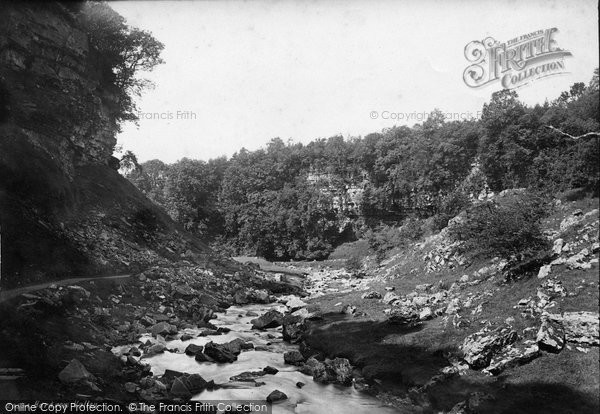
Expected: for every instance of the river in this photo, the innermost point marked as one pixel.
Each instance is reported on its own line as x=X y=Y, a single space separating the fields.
x=313 y=397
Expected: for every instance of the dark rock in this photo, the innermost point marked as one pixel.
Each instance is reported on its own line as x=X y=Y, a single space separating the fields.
x=155 y=349
x=195 y=383
x=135 y=351
x=186 y=337
x=300 y=384
x=338 y=371
x=219 y=352
x=271 y=319
x=270 y=370
x=179 y=389
x=193 y=349
x=201 y=357
x=276 y=396
x=293 y=327
x=75 y=372
x=163 y=328
x=247 y=376
x=403 y=315
x=293 y=357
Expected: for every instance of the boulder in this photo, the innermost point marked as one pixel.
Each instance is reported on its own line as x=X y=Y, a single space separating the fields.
x=75 y=372
x=512 y=356
x=390 y=298
x=403 y=315
x=293 y=357
x=271 y=319
x=551 y=336
x=270 y=370
x=544 y=271
x=293 y=327
x=580 y=327
x=479 y=348
x=179 y=389
x=348 y=309
x=276 y=396
x=219 y=352
x=337 y=371
x=193 y=349
x=295 y=304
x=155 y=349
x=163 y=328
x=371 y=295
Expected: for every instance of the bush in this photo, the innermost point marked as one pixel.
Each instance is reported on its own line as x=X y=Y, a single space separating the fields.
x=451 y=206
x=385 y=238
x=354 y=265
x=506 y=227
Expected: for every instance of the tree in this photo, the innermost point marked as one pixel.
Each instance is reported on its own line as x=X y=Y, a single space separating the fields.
x=124 y=52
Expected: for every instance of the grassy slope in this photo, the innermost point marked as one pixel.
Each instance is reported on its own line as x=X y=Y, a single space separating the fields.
x=567 y=382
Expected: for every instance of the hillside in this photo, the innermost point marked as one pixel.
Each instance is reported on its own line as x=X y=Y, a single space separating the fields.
x=64 y=209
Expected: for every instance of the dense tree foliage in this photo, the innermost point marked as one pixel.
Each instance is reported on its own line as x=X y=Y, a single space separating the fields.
x=295 y=201
x=124 y=52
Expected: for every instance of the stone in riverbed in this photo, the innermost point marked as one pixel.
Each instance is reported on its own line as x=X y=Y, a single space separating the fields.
x=300 y=384
x=293 y=357
x=163 y=328
x=193 y=349
x=270 y=370
x=219 y=352
x=271 y=319
x=155 y=349
x=179 y=389
x=201 y=357
x=338 y=371
x=294 y=304
x=293 y=327
x=276 y=396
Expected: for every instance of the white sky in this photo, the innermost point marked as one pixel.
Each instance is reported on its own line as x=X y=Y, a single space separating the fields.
x=254 y=70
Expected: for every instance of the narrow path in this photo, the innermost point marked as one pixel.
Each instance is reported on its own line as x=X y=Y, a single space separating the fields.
x=11 y=293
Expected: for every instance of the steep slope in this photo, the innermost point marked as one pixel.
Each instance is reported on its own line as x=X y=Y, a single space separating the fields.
x=64 y=209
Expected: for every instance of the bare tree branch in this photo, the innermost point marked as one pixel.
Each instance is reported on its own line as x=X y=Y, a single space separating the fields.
x=589 y=134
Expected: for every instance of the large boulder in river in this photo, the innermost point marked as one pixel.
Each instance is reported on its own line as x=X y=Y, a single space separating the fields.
x=237 y=345
x=271 y=319
x=479 y=348
x=193 y=349
x=293 y=327
x=293 y=357
x=219 y=352
x=276 y=396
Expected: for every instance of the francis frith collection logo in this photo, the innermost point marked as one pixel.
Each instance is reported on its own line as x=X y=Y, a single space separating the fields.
x=516 y=62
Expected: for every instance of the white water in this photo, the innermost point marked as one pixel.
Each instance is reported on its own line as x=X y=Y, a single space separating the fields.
x=312 y=398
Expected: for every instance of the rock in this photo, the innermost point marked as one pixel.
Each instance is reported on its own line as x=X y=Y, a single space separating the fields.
x=135 y=351
x=512 y=356
x=295 y=304
x=130 y=387
x=202 y=357
x=425 y=287
x=293 y=327
x=544 y=271
x=163 y=328
x=247 y=376
x=293 y=357
x=479 y=348
x=75 y=372
x=580 y=327
x=186 y=337
x=348 y=309
x=276 y=396
x=390 y=298
x=155 y=349
x=271 y=319
x=195 y=383
x=420 y=301
x=270 y=370
x=251 y=314
x=551 y=336
x=338 y=371
x=179 y=389
x=425 y=314
x=403 y=315
x=371 y=295
x=300 y=384
x=464 y=279
x=193 y=349
x=453 y=306
x=558 y=246
x=219 y=352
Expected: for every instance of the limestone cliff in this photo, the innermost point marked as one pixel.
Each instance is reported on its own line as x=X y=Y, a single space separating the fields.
x=64 y=209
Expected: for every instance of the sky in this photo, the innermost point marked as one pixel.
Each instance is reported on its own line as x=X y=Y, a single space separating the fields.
x=239 y=73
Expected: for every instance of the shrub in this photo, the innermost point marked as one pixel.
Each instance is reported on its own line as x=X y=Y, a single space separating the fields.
x=354 y=265
x=451 y=206
x=384 y=237
x=505 y=227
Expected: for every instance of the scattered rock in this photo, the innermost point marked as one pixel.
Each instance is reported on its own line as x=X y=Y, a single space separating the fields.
x=348 y=309
x=75 y=372
x=300 y=384
x=544 y=271
x=371 y=295
x=479 y=348
x=270 y=370
x=219 y=352
x=193 y=349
